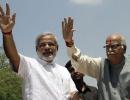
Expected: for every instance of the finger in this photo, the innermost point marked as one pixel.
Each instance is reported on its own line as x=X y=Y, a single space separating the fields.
x=65 y=25
x=7 y=9
x=1 y=11
x=63 y=29
x=14 y=17
x=65 y=22
x=70 y=22
x=62 y=25
x=11 y=26
x=69 y=19
x=7 y=1
x=1 y=27
x=72 y=31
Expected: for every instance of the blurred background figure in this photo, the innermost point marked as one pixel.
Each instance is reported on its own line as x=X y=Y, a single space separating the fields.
x=86 y=92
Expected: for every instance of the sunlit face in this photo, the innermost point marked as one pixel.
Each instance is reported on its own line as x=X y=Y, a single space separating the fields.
x=114 y=48
x=47 y=48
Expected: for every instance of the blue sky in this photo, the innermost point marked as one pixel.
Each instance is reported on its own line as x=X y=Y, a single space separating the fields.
x=93 y=21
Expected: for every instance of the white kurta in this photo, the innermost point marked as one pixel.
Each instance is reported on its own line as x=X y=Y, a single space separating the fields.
x=43 y=81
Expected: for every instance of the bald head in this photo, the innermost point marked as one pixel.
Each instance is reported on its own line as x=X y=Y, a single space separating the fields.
x=116 y=38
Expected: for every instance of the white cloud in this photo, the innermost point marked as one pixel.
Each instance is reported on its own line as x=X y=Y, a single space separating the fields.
x=88 y=2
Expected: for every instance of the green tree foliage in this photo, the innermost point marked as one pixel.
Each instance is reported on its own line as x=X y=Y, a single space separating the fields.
x=10 y=83
x=3 y=59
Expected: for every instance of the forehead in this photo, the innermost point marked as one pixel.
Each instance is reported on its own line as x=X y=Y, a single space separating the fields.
x=113 y=39
x=47 y=38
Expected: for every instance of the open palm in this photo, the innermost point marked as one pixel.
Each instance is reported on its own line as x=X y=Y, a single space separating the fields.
x=6 y=21
x=67 y=29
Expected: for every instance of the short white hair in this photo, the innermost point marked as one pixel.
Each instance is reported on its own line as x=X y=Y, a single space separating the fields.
x=44 y=34
x=123 y=40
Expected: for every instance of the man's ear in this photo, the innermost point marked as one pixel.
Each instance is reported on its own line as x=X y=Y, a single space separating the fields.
x=124 y=47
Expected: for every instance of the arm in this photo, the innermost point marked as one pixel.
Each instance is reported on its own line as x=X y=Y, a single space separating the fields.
x=6 y=25
x=82 y=63
x=67 y=32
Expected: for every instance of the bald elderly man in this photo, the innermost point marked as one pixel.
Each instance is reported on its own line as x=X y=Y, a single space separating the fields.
x=112 y=73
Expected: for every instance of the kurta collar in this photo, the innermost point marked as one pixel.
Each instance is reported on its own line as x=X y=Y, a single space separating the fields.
x=44 y=63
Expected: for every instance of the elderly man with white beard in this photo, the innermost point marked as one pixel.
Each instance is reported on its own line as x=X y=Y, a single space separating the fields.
x=43 y=79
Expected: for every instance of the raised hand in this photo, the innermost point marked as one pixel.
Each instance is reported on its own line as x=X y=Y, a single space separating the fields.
x=6 y=20
x=67 y=29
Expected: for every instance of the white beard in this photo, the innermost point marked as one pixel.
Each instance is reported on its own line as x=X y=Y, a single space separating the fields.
x=48 y=58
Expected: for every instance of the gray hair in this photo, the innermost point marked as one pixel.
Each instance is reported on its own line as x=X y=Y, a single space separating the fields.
x=123 y=40
x=43 y=35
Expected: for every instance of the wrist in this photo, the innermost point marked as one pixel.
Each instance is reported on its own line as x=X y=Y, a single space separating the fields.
x=7 y=33
x=70 y=43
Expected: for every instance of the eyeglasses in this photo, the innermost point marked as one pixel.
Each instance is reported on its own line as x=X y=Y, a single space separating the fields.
x=112 y=46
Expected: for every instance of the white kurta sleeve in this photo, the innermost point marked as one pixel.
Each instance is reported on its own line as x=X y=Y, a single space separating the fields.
x=23 y=69
x=83 y=63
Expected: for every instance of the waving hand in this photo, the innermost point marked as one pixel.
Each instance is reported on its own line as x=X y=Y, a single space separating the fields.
x=6 y=20
x=67 y=29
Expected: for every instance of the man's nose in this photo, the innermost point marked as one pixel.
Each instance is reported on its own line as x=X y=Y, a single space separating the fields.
x=47 y=46
x=109 y=49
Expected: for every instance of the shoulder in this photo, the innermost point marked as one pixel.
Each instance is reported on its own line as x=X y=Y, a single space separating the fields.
x=62 y=70
x=26 y=57
x=59 y=66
